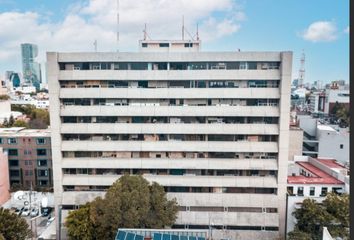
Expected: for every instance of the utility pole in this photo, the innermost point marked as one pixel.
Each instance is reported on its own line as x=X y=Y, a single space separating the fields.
x=30 y=207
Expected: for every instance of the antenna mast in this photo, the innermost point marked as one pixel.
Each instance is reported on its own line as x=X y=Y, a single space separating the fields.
x=302 y=69
x=197 y=33
x=117 y=25
x=95 y=45
x=182 y=27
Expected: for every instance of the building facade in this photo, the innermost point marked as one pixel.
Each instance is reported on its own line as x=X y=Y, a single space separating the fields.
x=211 y=127
x=31 y=69
x=30 y=158
x=4 y=178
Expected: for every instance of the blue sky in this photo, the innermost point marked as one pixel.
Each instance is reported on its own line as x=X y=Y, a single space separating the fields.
x=317 y=26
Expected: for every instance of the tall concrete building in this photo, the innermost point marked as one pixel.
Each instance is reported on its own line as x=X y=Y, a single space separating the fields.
x=31 y=69
x=211 y=127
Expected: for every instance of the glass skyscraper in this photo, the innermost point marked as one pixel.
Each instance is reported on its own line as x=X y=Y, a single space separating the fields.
x=31 y=70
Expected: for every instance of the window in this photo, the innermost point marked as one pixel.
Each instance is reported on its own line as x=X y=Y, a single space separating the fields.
x=1 y=141
x=43 y=182
x=312 y=191
x=28 y=162
x=188 y=45
x=12 y=141
x=41 y=163
x=341 y=146
x=42 y=173
x=324 y=191
x=41 y=152
x=14 y=173
x=40 y=141
x=300 y=191
x=27 y=152
x=164 y=44
x=144 y=45
x=13 y=163
x=13 y=152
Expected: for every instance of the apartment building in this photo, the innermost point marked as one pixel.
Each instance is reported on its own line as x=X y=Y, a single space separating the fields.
x=29 y=155
x=211 y=127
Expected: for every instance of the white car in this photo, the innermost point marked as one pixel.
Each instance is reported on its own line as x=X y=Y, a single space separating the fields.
x=50 y=220
x=25 y=212
x=34 y=212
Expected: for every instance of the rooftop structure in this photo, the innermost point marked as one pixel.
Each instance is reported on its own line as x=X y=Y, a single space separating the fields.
x=161 y=234
x=312 y=175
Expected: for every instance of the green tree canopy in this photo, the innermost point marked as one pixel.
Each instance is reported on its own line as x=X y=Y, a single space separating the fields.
x=131 y=202
x=81 y=225
x=12 y=226
x=20 y=123
x=332 y=213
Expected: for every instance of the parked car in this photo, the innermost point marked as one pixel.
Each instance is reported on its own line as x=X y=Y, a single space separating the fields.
x=51 y=219
x=18 y=211
x=34 y=212
x=46 y=212
x=25 y=212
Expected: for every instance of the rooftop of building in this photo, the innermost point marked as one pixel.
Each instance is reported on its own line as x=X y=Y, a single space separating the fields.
x=317 y=175
x=23 y=132
x=331 y=163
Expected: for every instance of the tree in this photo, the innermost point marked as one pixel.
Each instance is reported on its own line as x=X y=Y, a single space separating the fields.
x=11 y=121
x=338 y=207
x=311 y=216
x=299 y=235
x=332 y=213
x=5 y=123
x=131 y=202
x=20 y=123
x=12 y=226
x=81 y=227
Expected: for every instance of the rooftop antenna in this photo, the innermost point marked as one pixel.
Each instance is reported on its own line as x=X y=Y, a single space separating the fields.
x=182 y=27
x=197 y=33
x=144 y=32
x=302 y=69
x=95 y=45
x=117 y=25
x=146 y=35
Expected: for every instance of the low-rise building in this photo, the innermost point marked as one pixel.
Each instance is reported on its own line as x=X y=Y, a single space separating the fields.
x=313 y=178
x=324 y=140
x=30 y=158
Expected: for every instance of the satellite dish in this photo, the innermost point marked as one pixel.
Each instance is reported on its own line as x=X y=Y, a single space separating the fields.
x=44 y=202
x=19 y=195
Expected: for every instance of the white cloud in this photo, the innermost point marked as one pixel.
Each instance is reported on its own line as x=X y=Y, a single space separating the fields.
x=86 y=22
x=321 y=31
x=346 y=30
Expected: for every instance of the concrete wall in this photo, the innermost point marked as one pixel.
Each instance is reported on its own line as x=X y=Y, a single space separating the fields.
x=332 y=144
x=296 y=136
x=308 y=124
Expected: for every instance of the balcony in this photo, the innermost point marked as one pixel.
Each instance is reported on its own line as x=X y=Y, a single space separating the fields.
x=170 y=163
x=164 y=93
x=162 y=75
x=172 y=180
x=233 y=111
x=229 y=218
x=188 y=146
x=170 y=128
